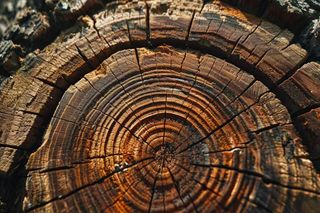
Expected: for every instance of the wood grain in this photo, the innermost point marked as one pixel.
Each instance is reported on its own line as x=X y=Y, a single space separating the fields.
x=155 y=107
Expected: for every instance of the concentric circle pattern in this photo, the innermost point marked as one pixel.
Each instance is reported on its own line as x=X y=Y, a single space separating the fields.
x=183 y=106
x=172 y=131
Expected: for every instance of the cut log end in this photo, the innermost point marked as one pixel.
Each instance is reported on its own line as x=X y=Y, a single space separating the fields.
x=166 y=130
x=199 y=110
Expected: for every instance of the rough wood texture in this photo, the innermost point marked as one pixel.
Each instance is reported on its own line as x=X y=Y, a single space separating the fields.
x=153 y=107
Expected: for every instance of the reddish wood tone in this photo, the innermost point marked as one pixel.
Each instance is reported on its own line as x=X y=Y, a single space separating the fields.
x=158 y=108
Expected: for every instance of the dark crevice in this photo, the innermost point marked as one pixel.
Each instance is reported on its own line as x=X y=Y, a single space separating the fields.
x=175 y=182
x=128 y=30
x=190 y=25
x=266 y=128
x=305 y=110
x=176 y=186
x=84 y=57
x=55 y=169
x=32 y=113
x=236 y=45
x=229 y=120
x=13 y=147
x=130 y=186
x=214 y=130
x=249 y=34
x=265 y=179
x=130 y=131
x=180 y=44
x=122 y=125
x=87 y=185
x=243 y=65
x=147 y=20
x=58 y=25
x=204 y=186
x=97 y=56
x=49 y=83
x=58 y=21
x=262 y=57
x=291 y=72
x=138 y=63
x=153 y=189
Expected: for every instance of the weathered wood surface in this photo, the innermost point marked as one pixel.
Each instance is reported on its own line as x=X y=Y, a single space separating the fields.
x=34 y=24
x=177 y=106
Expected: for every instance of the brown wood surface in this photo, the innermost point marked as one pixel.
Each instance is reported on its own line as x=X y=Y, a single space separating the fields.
x=165 y=107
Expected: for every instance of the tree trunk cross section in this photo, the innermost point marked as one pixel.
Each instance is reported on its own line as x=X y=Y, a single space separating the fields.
x=160 y=109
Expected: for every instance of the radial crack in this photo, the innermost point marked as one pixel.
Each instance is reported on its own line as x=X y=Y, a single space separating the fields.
x=87 y=185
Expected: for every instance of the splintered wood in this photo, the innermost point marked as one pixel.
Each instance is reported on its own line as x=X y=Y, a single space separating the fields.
x=159 y=109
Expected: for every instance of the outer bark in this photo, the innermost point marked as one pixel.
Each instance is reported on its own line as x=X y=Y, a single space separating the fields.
x=150 y=106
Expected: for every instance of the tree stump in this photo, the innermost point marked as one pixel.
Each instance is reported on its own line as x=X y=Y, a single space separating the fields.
x=163 y=107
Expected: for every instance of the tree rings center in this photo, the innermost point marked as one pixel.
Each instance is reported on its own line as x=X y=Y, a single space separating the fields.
x=173 y=130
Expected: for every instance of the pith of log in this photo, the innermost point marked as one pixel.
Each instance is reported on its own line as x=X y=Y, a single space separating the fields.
x=159 y=109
